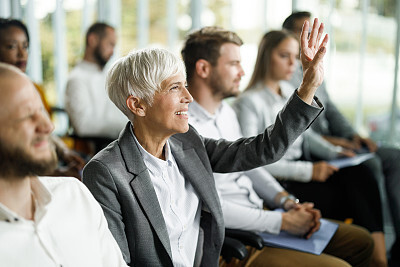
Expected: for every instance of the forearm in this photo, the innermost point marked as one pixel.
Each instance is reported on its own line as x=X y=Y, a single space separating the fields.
x=265 y=185
x=252 y=219
x=298 y=171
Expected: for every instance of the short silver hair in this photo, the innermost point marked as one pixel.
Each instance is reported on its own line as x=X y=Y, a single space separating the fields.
x=140 y=74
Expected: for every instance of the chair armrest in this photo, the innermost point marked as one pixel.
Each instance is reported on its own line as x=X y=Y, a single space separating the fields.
x=246 y=237
x=233 y=248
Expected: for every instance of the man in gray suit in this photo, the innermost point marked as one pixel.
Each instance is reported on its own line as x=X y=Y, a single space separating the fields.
x=155 y=183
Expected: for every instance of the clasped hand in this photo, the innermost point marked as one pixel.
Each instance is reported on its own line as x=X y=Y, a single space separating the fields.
x=302 y=220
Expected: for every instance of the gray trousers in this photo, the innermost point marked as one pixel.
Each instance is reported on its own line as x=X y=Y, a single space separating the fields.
x=386 y=168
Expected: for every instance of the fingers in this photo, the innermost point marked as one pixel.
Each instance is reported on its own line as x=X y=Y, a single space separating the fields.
x=304 y=35
x=313 y=229
x=320 y=32
x=333 y=168
x=312 y=41
x=324 y=41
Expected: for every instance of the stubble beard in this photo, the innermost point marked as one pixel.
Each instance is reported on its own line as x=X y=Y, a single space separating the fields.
x=99 y=57
x=17 y=163
x=218 y=87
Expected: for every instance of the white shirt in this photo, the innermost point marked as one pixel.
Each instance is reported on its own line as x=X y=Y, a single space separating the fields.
x=179 y=204
x=91 y=112
x=69 y=229
x=242 y=206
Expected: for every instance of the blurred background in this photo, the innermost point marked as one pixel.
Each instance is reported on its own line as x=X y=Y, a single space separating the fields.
x=361 y=64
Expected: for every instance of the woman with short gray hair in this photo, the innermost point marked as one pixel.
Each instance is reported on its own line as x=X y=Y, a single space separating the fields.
x=155 y=182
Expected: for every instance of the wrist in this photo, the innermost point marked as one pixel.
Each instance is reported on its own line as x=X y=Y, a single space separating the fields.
x=306 y=93
x=287 y=202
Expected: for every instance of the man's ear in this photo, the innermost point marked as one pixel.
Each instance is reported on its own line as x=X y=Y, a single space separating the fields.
x=203 y=68
x=93 y=40
x=136 y=105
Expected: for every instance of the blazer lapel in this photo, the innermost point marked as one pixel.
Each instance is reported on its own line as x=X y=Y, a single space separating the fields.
x=194 y=171
x=143 y=187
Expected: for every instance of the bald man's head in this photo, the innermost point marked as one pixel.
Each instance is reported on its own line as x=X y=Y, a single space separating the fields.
x=25 y=147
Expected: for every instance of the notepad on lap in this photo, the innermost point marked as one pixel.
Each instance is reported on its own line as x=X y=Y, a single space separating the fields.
x=353 y=161
x=315 y=244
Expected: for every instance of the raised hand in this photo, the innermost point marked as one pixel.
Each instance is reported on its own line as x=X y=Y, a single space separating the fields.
x=312 y=54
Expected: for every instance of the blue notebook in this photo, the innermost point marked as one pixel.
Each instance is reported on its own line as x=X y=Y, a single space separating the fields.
x=315 y=244
x=353 y=161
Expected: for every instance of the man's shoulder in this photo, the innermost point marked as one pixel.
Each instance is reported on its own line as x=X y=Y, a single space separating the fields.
x=83 y=70
x=63 y=184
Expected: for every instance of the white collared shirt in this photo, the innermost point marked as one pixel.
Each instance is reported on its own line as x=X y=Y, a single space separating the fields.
x=179 y=204
x=242 y=206
x=69 y=229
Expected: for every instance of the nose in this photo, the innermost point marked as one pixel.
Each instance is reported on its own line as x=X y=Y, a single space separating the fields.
x=22 y=52
x=292 y=60
x=241 y=70
x=187 y=97
x=45 y=125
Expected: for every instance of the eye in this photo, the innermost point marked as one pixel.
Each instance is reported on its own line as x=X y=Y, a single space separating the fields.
x=11 y=46
x=174 y=88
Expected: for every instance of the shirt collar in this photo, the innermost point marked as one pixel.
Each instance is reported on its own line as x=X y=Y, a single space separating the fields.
x=41 y=196
x=201 y=113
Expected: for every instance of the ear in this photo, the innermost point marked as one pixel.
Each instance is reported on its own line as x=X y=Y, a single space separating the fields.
x=136 y=105
x=93 y=40
x=203 y=68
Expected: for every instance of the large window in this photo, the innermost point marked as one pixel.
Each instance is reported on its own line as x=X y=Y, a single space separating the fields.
x=359 y=65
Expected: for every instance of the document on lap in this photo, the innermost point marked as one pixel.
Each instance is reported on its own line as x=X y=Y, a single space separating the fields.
x=314 y=245
x=353 y=161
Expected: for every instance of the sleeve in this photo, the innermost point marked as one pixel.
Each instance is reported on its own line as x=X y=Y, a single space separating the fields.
x=251 y=219
x=267 y=147
x=100 y=182
x=319 y=147
x=110 y=252
x=265 y=185
x=297 y=171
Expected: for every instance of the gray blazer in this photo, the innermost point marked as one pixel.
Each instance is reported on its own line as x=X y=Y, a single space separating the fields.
x=119 y=180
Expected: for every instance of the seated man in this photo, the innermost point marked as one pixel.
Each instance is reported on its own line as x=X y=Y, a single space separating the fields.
x=93 y=116
x=44 y=221
x=212 y=77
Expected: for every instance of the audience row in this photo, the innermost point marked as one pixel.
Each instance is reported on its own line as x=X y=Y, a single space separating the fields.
x=181 y=170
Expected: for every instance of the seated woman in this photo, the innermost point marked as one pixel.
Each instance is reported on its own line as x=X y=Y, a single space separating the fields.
x=14 y=44
x=339 y=194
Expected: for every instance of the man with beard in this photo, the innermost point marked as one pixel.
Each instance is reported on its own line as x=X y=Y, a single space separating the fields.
x=91 y=113
x=213 y=63
x=44 y=221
